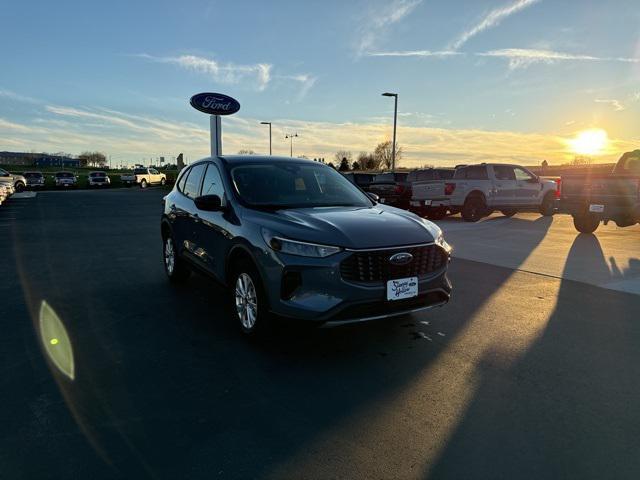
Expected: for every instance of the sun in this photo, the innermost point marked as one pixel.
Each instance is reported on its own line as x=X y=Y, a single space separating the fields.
x=590 y=142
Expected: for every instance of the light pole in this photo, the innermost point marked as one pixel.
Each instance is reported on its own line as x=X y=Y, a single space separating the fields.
x=290 y=137
x=395 y=122
x=268 y=123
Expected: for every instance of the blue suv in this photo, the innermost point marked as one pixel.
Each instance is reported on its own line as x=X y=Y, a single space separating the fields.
x=294 y=238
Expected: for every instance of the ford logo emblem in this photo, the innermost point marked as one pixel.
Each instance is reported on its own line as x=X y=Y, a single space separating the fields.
x=401 y=258
x=215 y=103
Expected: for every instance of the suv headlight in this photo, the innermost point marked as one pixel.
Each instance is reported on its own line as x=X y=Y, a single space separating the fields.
x=443 y=243
x=296 y=247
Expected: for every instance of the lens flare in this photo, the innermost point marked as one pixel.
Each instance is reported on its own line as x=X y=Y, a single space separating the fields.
x=590 y=142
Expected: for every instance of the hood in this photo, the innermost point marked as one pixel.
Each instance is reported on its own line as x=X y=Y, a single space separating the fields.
x=350 y=227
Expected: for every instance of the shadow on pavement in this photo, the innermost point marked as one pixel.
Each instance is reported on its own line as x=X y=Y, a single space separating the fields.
x=568 y=407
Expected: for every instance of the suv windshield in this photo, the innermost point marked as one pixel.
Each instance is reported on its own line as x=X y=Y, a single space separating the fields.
x=295 y=185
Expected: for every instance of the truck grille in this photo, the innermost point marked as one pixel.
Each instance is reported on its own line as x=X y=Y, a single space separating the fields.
x=374 y=266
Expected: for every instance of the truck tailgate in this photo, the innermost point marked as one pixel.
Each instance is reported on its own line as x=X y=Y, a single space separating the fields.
x=428 y=190
x=611 y=191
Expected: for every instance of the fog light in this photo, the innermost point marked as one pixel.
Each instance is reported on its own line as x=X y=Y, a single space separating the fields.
x=291 y=280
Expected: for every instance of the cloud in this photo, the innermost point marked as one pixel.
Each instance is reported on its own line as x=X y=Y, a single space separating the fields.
x=615 y=104
x=492 y=19
x=521 y=57
x=14 y=127
x=379 y=19
x=305 y=81
x=16 y=96
x=229 y=73
x=414 y=53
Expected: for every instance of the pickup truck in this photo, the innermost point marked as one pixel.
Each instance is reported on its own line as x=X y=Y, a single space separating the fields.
x=144 y=177
x=392 y=188
x=591 y=199
x=417 y=179
x=362 y=180
x=477 y=191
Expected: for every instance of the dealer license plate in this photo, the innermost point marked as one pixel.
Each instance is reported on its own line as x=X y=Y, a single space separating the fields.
x=402 y=288
x=596 y=208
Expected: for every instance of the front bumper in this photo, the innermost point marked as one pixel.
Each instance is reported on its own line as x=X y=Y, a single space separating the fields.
x=324 y=297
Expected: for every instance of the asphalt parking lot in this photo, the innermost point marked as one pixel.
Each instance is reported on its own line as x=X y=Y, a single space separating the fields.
x=530 y=372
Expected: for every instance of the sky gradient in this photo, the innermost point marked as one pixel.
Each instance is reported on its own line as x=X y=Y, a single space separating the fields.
x=478 y=80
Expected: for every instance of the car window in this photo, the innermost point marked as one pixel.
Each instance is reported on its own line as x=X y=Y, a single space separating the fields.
x=183 y=179
x=212 y=184
x=140 y=171
x=194 y=179
x=383 y=177
x=153 y=171
x=504 y=172
x=4 y=173
x=522 y=175
x=474 y=172
x=445 y=174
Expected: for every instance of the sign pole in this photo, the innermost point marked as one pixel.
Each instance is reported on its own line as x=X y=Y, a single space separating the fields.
x=216 y=135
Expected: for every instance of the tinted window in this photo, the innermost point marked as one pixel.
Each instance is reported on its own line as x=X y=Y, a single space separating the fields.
x=153 y=171
x=290 y=185
x=420 y=175
x=140 y=171
x=182 y=178
x=64 y=175
x=476 y=172
x=522 y=175
x=383 y=177
x=445 y=174
x=192 y=186
x=212 y=184
x=503 y=172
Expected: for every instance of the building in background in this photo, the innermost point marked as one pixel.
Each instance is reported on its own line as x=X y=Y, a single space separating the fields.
x=37 y=159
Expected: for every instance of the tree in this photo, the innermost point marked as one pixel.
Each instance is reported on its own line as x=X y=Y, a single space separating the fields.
x=367 y=161
x=332 y=165
x=355 y=166
x=246 y=151
x=581 y=160
x=343 y=154
x=383 y=154
x=344 y=165
x=94 y=159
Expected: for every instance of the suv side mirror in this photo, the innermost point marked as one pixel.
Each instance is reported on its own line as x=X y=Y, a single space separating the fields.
x=208 y=203
x=373 y=197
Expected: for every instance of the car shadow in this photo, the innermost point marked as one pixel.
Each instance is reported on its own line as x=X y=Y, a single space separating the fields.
x=567 y=407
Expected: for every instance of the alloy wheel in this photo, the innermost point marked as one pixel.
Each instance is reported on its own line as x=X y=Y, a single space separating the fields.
x=246 y=301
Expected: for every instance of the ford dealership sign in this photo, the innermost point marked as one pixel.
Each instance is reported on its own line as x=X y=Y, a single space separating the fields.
x=215 y=103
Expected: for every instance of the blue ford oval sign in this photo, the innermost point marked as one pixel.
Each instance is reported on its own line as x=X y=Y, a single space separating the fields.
x=215 y=103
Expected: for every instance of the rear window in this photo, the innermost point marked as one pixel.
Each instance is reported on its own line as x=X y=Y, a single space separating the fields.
x=390 y=177
x=476 y=172
x=97 y=174
x=64 y=175
x=140 y=171
x=32 y=175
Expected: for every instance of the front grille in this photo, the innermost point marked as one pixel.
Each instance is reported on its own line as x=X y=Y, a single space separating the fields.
x=374 y=266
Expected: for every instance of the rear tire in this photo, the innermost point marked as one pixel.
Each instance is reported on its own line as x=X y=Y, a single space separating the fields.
x=248 y=300
x=474 y=208
x=19 y=187
x=508 y=212
x=175 y=268
x=143 y=183
x=548 y=207
x=586 y=222
x=437 y=213
x=163 y=182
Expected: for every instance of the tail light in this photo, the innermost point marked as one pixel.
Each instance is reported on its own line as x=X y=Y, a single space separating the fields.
x=558 y=187
x=399 y=189
x=449 y=188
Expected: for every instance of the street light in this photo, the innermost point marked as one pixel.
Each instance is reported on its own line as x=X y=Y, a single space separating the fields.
x=290 y=137
x=268 y=123
x=395 y=121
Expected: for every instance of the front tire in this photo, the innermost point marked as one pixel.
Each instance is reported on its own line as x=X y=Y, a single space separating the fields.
x=174 y=266
x=163 y=182
x=248 y=300
x=19 y=187
x=143 y=183
x=473 y=209
x=547 y=208
x=508 y=212
x=586 y=222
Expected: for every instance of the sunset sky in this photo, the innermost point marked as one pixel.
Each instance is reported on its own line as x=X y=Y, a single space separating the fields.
x=478 y=80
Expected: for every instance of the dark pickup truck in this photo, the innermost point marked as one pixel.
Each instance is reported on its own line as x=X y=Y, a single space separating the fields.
x=392 y=188
x=592 y=199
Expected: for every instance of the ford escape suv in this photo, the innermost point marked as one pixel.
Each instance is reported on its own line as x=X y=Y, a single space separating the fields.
x=294 y=238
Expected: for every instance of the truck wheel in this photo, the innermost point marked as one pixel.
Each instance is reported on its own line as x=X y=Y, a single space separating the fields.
x=473 y=209
x=248 y=300
x=508 y=212
x=162 y=182
x=437 y=213
x=143 y=183
x=586 y=223
x=19 y=187
x=174 y=266
x=548 y=207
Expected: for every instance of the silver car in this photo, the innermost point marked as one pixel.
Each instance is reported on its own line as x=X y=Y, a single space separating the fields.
x=65 y=180
x=18 y=181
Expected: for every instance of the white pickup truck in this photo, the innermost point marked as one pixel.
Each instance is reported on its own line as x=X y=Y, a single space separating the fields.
x=478 y=190
x=144 y=177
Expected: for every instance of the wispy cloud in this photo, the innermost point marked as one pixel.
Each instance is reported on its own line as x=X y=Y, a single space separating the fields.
x=16 y=96
x=305 y=81
x=379 y=19
x=414 y=53
x=521 y=57
x=492 y=19
x=221 y=72
x=615 y=104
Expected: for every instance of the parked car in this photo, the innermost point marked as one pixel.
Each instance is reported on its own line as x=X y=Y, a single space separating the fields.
x=478 y=190
x=8 y=186
x=144 y=177
x=34 y=180
x=98 y=179
x=392 y=188
x=417 y=179
x=362 y=180
x=18 y=181
x=3 y=193
x=591 y=199
x=65 y=180
x=293 y=237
